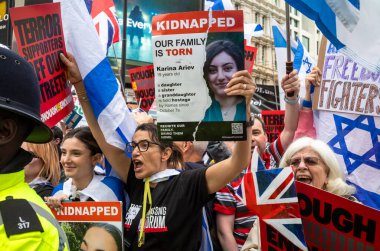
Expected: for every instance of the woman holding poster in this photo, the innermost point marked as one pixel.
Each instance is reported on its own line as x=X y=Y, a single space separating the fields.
x=223 y=60
x=167 y=203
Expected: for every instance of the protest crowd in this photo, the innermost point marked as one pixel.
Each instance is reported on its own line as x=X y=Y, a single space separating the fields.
x=198 y=173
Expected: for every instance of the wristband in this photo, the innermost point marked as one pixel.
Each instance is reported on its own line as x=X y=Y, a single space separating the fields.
x=291 y=101
x=307 y=103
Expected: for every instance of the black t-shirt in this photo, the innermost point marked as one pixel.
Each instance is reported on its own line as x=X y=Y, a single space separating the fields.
x=176 y=214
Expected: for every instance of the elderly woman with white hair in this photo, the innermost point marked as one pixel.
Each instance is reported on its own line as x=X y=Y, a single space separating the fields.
x=315 y=163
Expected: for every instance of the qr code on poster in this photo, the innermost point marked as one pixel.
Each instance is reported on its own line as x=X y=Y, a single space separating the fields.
x=237 y=128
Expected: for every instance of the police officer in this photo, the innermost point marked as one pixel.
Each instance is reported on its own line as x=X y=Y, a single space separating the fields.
x=26 y=223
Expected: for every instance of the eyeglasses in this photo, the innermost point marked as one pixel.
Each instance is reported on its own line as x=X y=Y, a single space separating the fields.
x=309 y=161
x=142 y=145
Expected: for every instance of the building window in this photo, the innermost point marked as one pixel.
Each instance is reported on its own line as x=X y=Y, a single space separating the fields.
x=263 y=54
x=276 y=2
x=294 y=11
x=295 y=23
x=317 y=47
x=257 y=18
x=295 y=35
x=264 y=22
x=305 y=42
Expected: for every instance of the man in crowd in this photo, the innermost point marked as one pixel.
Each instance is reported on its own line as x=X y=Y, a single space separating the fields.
x=233 y=219
x=26 y=223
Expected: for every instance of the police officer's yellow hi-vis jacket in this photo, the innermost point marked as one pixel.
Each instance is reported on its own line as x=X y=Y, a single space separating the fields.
x=26 y=223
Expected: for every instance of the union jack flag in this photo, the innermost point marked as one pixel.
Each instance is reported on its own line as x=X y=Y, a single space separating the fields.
x=103 y=14
x=272 y=195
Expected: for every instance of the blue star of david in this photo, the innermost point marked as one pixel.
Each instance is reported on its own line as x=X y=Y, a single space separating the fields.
x=338 y=144
x=306 y=61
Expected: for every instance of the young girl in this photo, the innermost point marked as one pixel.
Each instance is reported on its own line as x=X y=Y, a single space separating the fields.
x=80 y=153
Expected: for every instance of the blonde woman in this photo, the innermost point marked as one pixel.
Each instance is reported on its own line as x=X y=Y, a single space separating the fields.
x=43 y=172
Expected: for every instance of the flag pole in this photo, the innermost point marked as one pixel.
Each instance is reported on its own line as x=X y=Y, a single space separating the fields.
x=274 y=66
x=289 y=62
x=124 y=45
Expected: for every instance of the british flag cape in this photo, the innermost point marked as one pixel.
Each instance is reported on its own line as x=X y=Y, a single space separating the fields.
x=272 y=195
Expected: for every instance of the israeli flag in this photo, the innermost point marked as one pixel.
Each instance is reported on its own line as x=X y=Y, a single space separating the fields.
x=355 y=139
x=218 y=5
x=302 y=62
x=252 y=30
x=103 y=90
x=349 y=25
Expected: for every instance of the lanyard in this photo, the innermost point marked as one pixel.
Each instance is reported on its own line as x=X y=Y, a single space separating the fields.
x=147 y=196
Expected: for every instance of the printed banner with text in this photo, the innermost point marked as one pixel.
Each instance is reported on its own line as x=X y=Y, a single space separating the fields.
x=274 y=123
x=142 y=80
x=331 y=222
x=39 y=35
x=195 y=55
x=98 y=224
x=250 y=54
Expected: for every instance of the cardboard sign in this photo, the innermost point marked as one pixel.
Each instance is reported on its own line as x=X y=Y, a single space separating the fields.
x=77 y=218
x=39 y=35
x=142 y=80
x=347 y=86
x=274 y=123
x=190 y=104
x=334 y=223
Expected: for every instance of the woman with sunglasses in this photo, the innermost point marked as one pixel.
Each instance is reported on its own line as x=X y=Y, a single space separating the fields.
x=166 y=205
x=315 y=163
x=80 y=154
x=43 y=172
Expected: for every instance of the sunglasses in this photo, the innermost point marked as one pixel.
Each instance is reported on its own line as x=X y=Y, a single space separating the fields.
x=309 y=161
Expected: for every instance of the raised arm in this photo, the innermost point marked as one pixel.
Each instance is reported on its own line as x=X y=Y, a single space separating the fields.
x=290 y=83
x=117 y=158
x=220 y=174
x=312 y=79
x=306 y=121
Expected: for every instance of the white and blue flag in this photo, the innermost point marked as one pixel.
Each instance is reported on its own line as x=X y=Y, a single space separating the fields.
x=302 y=62
x=103 y=90
x=252 y=30
x=218 y=5
x=355 y=138
x=349 y=25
